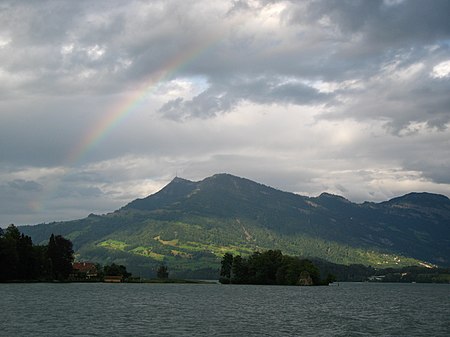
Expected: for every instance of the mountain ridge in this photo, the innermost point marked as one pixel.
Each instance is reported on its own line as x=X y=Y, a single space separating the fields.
x=191 y=224
x=410 y=196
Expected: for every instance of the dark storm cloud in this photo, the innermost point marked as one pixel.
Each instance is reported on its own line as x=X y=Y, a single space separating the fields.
x=80 y=192
x=223 y=97
x=15 y=198
x=436 y=170
x=24 y=185
x=42 y=130
x=383 y=23
x=399 y=102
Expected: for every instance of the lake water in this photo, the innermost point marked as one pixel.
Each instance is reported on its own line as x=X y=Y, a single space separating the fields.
x=98 y=309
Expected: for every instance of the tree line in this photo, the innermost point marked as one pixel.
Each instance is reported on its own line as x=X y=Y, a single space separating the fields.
x=20 y=260
x=270 y=267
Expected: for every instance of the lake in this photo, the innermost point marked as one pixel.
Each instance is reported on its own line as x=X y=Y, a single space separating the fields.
x=98 y=309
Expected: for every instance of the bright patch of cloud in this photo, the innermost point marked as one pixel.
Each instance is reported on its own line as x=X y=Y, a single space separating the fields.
x=393 y=2
x=4 y=41
x=67 y=49
x=95 y=52
x=441 y=70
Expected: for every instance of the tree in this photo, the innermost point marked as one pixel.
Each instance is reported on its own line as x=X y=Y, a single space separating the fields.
x=294 y=271
x=27 y=268
x=19 y=259
x=116 y=270
x=9 y=259
x=225 y=268
x=60 y=253
x=313 y=271
x=44 y=265
x=263 y=266
x=162 y=272
x=239 y=270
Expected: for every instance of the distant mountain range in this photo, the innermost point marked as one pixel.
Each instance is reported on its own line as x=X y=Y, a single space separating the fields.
x=190 y=225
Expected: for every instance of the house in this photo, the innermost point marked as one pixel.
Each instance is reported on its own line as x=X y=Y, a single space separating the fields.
x=84 y=270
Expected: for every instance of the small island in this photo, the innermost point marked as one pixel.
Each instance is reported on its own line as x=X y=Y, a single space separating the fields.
x=270 y=268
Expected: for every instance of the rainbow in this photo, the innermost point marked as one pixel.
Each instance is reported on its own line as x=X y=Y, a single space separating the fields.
x=121 y=111
x=113 y=118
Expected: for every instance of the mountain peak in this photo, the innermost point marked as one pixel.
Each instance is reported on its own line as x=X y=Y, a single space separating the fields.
x=177 y=189
x=421 y=199
x=179 y=180
x=330 y=196
x=222 y=177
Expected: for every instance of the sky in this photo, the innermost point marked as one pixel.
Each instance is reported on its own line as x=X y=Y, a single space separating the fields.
x=103 y=102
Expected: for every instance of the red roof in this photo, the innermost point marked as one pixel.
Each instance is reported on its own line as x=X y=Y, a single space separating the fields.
x=84 y=267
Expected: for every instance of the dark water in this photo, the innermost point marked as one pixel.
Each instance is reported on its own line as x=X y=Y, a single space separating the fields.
x=352 y=309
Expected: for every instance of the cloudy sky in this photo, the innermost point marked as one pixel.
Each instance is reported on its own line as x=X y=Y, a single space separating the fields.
x=102 y=102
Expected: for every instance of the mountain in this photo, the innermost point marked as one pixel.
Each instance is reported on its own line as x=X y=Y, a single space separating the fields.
x=190 y=225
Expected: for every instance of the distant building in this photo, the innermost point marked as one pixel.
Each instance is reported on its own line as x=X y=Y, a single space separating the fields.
x=84 y=270
x=113 y=279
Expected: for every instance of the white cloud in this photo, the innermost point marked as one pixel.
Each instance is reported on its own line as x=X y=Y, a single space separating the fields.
x=67 y=49
x=393 y=2
x=4 y=41
x=95 y=52
x=441 y=70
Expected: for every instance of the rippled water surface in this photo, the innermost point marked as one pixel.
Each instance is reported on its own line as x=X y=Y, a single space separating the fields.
x=97 y=309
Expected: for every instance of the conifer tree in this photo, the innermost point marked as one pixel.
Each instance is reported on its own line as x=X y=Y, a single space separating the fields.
x=60 y=253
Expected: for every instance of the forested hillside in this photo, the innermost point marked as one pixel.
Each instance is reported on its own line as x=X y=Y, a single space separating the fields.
x=191 y=225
